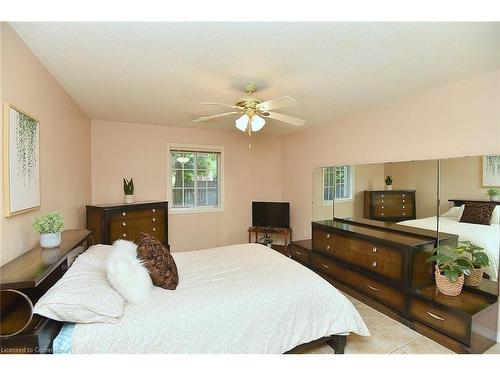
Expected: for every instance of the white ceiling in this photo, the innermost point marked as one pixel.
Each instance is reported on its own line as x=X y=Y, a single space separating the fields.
x=159 y=72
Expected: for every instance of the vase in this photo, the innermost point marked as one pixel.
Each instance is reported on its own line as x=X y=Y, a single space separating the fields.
x=50 y=240
x=475 y=277
x=129 y=198
x=388 y=187
x=495 y=198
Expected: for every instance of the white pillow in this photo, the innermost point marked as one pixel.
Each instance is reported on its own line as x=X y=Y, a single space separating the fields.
x=454 y=212
x=83 y=294
x=495 y=216
x=127 y=274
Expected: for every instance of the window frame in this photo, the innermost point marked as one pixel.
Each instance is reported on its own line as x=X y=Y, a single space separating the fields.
x=194 y=148
x=339 y=200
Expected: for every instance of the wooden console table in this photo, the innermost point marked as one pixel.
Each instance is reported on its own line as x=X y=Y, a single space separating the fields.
x=285 y=232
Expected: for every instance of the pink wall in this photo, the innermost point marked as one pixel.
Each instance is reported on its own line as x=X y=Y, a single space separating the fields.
x=64 y=143
x=139 y=151
x=455 y=120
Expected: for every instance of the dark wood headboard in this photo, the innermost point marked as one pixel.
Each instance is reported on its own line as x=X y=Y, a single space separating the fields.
x=459 y=202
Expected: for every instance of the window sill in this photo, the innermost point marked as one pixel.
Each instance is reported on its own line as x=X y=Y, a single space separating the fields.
x=180 y=211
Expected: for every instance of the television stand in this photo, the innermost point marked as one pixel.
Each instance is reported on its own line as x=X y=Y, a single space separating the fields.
x=285 y=232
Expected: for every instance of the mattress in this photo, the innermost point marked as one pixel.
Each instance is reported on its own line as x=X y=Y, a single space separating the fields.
x=486 y=236
x=234 y=299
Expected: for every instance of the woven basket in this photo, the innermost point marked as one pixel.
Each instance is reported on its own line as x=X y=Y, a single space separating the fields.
x=447 y=288
x=475 y=277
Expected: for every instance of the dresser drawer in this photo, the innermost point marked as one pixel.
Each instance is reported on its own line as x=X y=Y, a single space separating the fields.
x=130 y=229
x=330 y=243
x=330 y=268
x=300 y=254
x=134 y=214
x=378 y=291
x=379 y=259
x=445 y=321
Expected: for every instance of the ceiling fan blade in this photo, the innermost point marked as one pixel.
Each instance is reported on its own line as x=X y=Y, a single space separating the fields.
x=222 y=104
x=207 y=118
x=285 y=118
x=281 y=102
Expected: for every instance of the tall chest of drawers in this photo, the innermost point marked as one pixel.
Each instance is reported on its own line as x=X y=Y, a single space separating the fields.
x=391 y=205
x=384 y=265
x=111 y=222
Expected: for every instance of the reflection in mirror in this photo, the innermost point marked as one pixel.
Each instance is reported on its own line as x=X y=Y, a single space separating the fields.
x=466 y=208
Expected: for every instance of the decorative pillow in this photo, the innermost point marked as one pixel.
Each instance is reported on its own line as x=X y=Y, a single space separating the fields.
x=454 y=212
x=478 y=213
x=495 y=216
x=127 y=274
x=159 y=262
x=83 y=294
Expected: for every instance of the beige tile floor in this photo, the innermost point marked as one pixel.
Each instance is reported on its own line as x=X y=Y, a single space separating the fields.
x=387 y=337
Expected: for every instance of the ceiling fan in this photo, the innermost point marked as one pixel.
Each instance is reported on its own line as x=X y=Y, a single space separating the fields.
x=253 y=111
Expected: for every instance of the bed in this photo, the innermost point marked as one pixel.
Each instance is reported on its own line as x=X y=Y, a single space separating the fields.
x=233 y=299
x=486 y=236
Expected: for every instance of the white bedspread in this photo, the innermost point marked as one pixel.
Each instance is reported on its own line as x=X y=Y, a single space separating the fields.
x=234 y=299
x=486 y=236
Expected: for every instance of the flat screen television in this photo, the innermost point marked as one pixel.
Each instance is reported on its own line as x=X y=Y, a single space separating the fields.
x=271 y=214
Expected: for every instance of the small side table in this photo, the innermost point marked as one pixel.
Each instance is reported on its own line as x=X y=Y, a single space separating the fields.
x=285 y=232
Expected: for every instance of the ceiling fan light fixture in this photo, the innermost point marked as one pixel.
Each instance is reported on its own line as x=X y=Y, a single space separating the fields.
x=257 y=123
x=242 y=122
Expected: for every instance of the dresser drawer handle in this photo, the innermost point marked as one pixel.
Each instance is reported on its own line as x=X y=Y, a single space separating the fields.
x=154 y=229
x=325 y=266
x=298 y=252
x=153 y=210
x=403 y=207
x=434 y=316
x=373 y=288
x=124 y=234
x=382 y=207
x=328 y=247
x=382 y=214
x=328 y=235
x=374 y=249
x=374 y=264
x=124 y=214
x=154 y=219
x=124 y=224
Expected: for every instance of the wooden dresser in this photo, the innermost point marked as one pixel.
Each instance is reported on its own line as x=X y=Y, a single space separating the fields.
x=126 y=221
x=391 y=205
x=384 y=265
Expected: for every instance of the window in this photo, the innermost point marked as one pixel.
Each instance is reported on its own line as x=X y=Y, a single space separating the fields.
x=195 y=179
x=338 y=180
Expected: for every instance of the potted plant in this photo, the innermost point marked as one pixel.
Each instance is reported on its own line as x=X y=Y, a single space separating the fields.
x=388 y=183
x=494 y=194
x=478 y=259
x=49 y=227
x=128 y=190
x=451 y=266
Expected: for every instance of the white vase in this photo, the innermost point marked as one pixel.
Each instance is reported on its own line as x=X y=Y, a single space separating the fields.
x=388 y=187
x=50 y=240
x=129 y=198
x=495 y=198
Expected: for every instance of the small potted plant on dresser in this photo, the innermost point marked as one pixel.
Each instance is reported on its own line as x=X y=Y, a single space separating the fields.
x=450 y=269
x=388 y=183
x=128 y=190
x=494 y=194
x=479 y=261
x=49 y=227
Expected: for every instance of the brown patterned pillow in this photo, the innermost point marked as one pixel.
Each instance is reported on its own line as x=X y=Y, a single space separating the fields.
x=478 y=212
x=159 y=262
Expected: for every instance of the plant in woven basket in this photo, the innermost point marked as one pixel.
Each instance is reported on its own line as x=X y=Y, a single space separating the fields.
x=451 y=266
x=477 y=257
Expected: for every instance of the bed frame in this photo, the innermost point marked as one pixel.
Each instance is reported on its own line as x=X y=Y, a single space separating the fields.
x=336 y=342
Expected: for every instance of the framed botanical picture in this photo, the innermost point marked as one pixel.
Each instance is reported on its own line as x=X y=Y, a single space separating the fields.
x=21 y=158
x=491 y=170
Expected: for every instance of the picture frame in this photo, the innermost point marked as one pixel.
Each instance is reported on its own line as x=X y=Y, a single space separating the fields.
x=491 y=171
x=21 y=161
